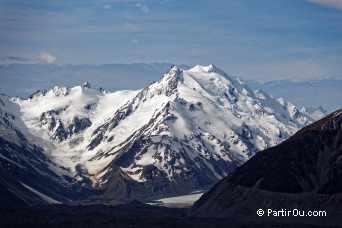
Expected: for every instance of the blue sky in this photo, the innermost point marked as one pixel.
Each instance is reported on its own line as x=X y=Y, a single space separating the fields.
x=264 y=40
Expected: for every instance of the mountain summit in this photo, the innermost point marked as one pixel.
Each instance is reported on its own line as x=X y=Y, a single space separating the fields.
x=182 y=133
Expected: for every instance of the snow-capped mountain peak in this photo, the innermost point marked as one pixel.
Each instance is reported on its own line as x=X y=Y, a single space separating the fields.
x=167 y=85
x=37 y=94
x=86 y=85
x=60 y=91
x=102 y=90
x=199 y=114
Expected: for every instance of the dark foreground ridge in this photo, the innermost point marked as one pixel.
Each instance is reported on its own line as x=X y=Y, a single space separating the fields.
x=134 y=214
x=304 y=173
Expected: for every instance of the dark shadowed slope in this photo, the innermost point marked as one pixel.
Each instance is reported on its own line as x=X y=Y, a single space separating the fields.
x=304 y=173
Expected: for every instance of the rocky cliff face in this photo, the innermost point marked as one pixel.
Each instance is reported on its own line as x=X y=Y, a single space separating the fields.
x=304 y=173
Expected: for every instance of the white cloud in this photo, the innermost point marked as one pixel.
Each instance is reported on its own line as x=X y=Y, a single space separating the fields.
x=335 y=4
x=47 y=57
x=107 y=6
x=143 y=8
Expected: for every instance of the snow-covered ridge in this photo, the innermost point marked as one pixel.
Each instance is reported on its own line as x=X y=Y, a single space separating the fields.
x=61 y=118
x=190 y=128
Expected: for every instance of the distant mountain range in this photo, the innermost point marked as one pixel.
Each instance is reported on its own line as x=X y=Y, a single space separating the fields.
x=303 y=173
x=182 y=133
